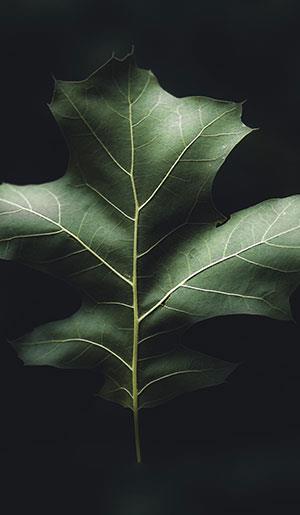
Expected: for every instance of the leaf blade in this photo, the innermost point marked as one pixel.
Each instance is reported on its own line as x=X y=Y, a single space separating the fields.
x=133 y=227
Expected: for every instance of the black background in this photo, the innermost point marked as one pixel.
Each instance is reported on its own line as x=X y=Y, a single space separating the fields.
x=230 y=449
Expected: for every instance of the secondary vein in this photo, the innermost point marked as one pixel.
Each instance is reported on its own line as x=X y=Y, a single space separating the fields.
x=72 y=235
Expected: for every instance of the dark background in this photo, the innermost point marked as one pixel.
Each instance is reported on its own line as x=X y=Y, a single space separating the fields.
x=230 y=449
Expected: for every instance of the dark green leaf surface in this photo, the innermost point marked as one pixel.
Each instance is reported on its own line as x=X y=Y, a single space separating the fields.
x=133 y=227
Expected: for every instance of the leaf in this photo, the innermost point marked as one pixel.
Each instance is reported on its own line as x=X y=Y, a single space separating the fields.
x=132 y=226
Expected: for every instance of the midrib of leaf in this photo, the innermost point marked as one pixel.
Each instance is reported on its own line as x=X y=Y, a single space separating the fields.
x=135 y=405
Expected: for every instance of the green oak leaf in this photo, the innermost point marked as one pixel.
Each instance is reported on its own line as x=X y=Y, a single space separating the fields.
x=132 y=226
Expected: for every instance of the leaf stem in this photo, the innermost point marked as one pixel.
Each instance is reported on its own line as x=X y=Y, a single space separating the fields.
x=136 y=430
